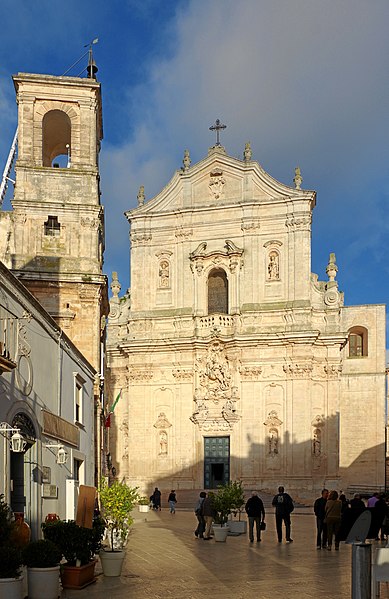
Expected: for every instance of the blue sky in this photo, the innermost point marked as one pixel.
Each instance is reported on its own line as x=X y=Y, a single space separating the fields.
x=306 y=81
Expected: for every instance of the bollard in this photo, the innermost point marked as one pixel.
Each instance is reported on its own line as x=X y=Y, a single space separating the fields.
x=361 y=571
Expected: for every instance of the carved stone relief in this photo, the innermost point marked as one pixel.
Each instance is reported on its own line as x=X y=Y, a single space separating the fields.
x=216 y=184
x=215 y=395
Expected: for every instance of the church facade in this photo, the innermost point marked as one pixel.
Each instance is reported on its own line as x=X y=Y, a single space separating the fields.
x=233 y=360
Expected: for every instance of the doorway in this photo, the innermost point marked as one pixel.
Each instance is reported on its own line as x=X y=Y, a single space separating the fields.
x=216 y=461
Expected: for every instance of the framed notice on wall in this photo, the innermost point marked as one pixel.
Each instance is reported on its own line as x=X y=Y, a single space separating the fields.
x=49 y=491
x=46 y=474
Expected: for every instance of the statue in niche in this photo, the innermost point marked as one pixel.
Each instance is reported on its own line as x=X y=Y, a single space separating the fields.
x=316 y=442
x=273 y=268
x=273 y=441
x=163 y=443
x=164 y=274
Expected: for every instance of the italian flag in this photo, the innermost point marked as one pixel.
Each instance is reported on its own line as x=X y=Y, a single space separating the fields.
x=111 y=409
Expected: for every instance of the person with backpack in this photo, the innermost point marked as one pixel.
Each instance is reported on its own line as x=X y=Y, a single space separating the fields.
x=284 y=507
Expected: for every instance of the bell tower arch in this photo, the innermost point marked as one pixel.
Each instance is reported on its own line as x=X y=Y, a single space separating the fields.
x=57 y=237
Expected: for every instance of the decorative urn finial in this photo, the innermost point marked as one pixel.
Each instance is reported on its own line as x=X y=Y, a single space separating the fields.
x=186 y=162
x=115 y=287
x=141 y=195
x=247 y=152
x=332 y=269
x=297 y=178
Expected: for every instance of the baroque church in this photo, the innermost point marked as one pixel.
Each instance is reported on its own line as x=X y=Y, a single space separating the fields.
x=233 y=360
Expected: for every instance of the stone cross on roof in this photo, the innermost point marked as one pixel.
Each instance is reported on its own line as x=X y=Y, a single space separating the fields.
x=218 y=126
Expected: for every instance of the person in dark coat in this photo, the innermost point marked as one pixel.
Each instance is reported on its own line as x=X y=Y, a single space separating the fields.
x=172 y=500
x=256 y=513
x=156 y=499
x=284 y=507
x=319 y=507
x=378 y=513
x=199 y=532
x=208 y=513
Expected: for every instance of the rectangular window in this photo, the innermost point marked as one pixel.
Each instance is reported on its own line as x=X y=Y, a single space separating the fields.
x=356 y=345
x=78 y=399
x=77 y=470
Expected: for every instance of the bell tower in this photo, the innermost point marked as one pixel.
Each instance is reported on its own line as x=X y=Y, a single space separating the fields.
x=56 y=240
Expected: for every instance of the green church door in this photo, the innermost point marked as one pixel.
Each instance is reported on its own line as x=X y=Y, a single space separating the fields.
x=216 y=461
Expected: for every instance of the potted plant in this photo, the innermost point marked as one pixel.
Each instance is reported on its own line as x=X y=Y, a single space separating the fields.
x=237 y=526
x=223 y=503
x=42 y=559
x=11 y=580
x=78 y=545
x=144 y=504
x=117 y=502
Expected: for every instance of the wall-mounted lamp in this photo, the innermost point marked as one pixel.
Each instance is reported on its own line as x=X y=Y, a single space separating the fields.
x=62 y=456
x=17 y=443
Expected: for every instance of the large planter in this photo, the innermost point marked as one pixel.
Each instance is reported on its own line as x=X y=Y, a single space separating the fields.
x=78 y=577
x=11 y=588
x=112 y=562
x=220 y=533
x=238 y=526
x=144 y=508
x=43 y=583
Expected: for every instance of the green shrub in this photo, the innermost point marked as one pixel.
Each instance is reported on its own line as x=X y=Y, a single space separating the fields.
x=41 y=554
x=228 y=498
x=6 y=521
x=10 y=561
x=75 y=542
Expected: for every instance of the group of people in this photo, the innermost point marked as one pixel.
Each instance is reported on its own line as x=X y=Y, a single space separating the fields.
x=335 y=515
x=155 y=500
x=255 y=511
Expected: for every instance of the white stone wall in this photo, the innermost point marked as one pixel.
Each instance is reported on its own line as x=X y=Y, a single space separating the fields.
x=271 y=374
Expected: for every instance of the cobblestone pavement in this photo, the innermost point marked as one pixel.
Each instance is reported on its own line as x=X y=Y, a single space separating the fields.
x=165 y=560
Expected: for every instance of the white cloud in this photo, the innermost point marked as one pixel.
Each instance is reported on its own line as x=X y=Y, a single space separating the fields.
x=305 y=81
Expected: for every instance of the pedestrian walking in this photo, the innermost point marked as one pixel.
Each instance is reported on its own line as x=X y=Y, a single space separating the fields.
x=319 y=507
x=156 y=499
x=333 y=511
x=199 y=532
x=172 y=500
x=284 y=507
x=256 y=514
x=208 y=513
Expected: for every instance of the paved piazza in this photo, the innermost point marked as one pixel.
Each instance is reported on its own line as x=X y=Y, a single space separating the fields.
x=164 y=559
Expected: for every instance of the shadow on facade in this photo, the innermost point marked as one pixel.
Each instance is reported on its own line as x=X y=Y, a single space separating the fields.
x=303 y=467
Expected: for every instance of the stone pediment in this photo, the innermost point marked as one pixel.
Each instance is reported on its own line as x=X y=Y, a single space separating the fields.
x=217 y=180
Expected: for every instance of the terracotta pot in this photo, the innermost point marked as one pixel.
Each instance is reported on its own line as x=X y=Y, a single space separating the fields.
x=21 y=532
x=78 y=577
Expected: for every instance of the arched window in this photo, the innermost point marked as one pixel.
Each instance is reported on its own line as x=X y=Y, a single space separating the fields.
x=56 y=139
x=217 y=292
x=357 y=342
